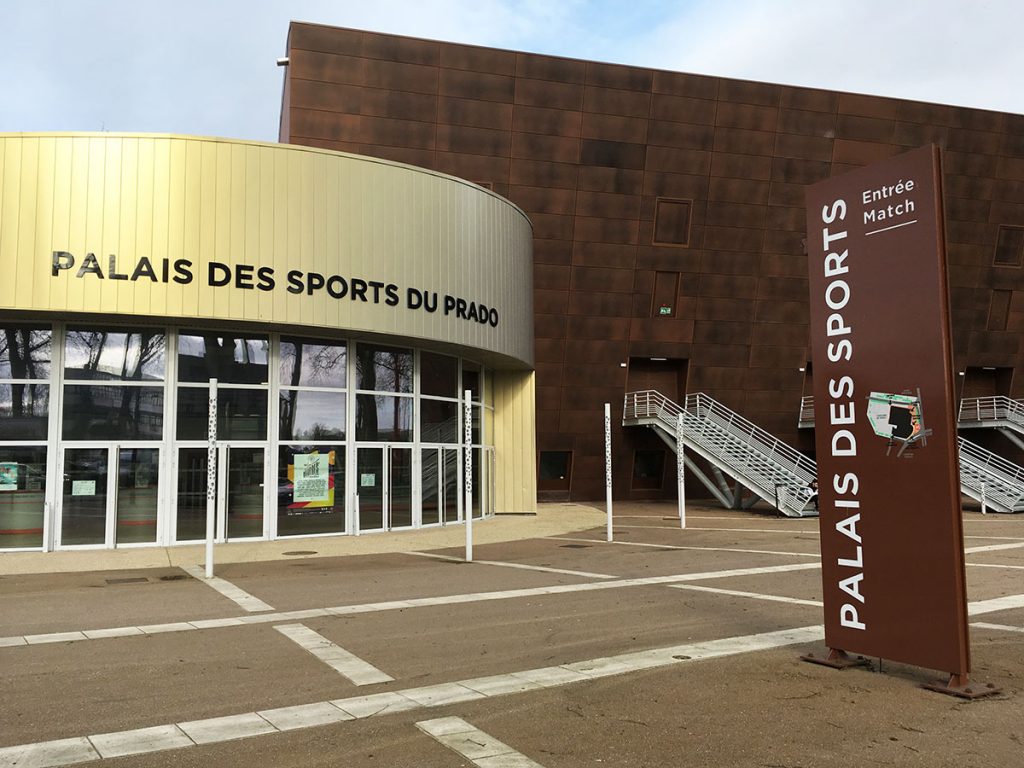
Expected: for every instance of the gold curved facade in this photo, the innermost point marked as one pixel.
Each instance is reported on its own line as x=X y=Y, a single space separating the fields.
x=210 y=229
x=345 y=305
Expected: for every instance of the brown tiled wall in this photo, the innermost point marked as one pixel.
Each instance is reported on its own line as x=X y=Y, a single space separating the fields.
x=586 y=149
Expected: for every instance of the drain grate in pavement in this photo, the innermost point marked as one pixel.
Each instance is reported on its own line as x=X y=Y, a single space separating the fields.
x=174 y=577
x=300 y=552
x=128 y=580
x=576 y=546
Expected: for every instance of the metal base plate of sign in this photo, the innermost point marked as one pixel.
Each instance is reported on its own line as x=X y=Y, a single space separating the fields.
x=837 y=659
x=961 y=687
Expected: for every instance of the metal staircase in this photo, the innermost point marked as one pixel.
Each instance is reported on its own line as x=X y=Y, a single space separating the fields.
x=985 y=477
x=772 y=470
x=1002 y=413
x=990 y=479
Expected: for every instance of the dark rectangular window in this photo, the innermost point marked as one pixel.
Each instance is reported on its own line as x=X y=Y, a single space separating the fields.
x=998 y=310
x=1009 y=247
x=241 y=414
x=97 y=412
x=672 y=222
x=439 y=375
x=24 y=411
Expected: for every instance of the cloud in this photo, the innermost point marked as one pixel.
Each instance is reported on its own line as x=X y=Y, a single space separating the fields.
x=942 y=50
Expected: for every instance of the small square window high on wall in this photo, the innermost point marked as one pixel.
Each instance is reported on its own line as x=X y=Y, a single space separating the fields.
x=672 y=222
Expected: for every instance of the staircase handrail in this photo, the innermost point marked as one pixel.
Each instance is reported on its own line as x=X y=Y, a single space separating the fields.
x=806 y=409
x=1002 y=481
x=993 y=408
x=766 y=461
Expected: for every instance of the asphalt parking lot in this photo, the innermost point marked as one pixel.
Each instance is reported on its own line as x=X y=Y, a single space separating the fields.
x=666 y=648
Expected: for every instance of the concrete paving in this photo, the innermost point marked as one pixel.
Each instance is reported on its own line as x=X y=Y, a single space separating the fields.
x=666 y=648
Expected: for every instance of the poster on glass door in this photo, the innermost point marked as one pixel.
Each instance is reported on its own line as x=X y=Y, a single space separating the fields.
x=312 y=481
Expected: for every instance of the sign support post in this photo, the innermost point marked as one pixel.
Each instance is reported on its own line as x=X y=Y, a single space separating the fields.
x=680 y=466
x=608 y=464
x=468 y=419
x=211 y=477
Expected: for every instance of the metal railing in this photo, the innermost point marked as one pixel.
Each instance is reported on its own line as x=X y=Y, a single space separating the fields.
x=984 y=474
x=978 y=411
x=806 y=418
x=775 y=471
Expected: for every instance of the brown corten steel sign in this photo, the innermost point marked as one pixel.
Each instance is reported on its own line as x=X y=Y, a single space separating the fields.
x=885 y=429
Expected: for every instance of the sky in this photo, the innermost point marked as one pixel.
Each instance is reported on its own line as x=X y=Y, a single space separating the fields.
x=208 y=67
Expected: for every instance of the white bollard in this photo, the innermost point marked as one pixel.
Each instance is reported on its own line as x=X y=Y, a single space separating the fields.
x=984 y=505
x=608 y=464
x=211 y=477
x=469 y=476
x=680 y=466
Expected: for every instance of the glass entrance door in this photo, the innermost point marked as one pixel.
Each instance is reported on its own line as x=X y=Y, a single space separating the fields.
x=83 y=509
x=109 y=496
x=439 y=471
x=370 y=488
x=384 y=479
x=399 y=487
x=240 y=482
x=245 y=483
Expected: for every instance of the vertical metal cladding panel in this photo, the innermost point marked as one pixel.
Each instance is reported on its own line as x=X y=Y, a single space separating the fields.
x=290 y=211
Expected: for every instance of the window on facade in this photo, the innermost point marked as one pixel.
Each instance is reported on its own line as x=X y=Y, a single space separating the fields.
x=24 y=392
x=383 y=369
x=672 y=222
x=114 y=384
x=313 y=364
x=1009 y=247
x=648 y=469
x=383 y=418
x=229 y=359
x=439 y=421
x=241 y=413
x=311 y=415
x=110 y=355
x=439 y=375
x=98 y=412
x=25 y=352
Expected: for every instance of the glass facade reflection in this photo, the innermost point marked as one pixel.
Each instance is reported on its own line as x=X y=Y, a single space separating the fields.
x=314 y=436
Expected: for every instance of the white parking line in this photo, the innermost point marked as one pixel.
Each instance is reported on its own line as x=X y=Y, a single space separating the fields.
x=997 y=565
x=755 y=595
x=243 y=725
x=343 y=662
x=391 y=605
x=523 y=566
x=677 y=546
x=242 y=598
x=1001 y=627
x=789 y=531
x=478 y=747
x=995 y=604
x=993 y=547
